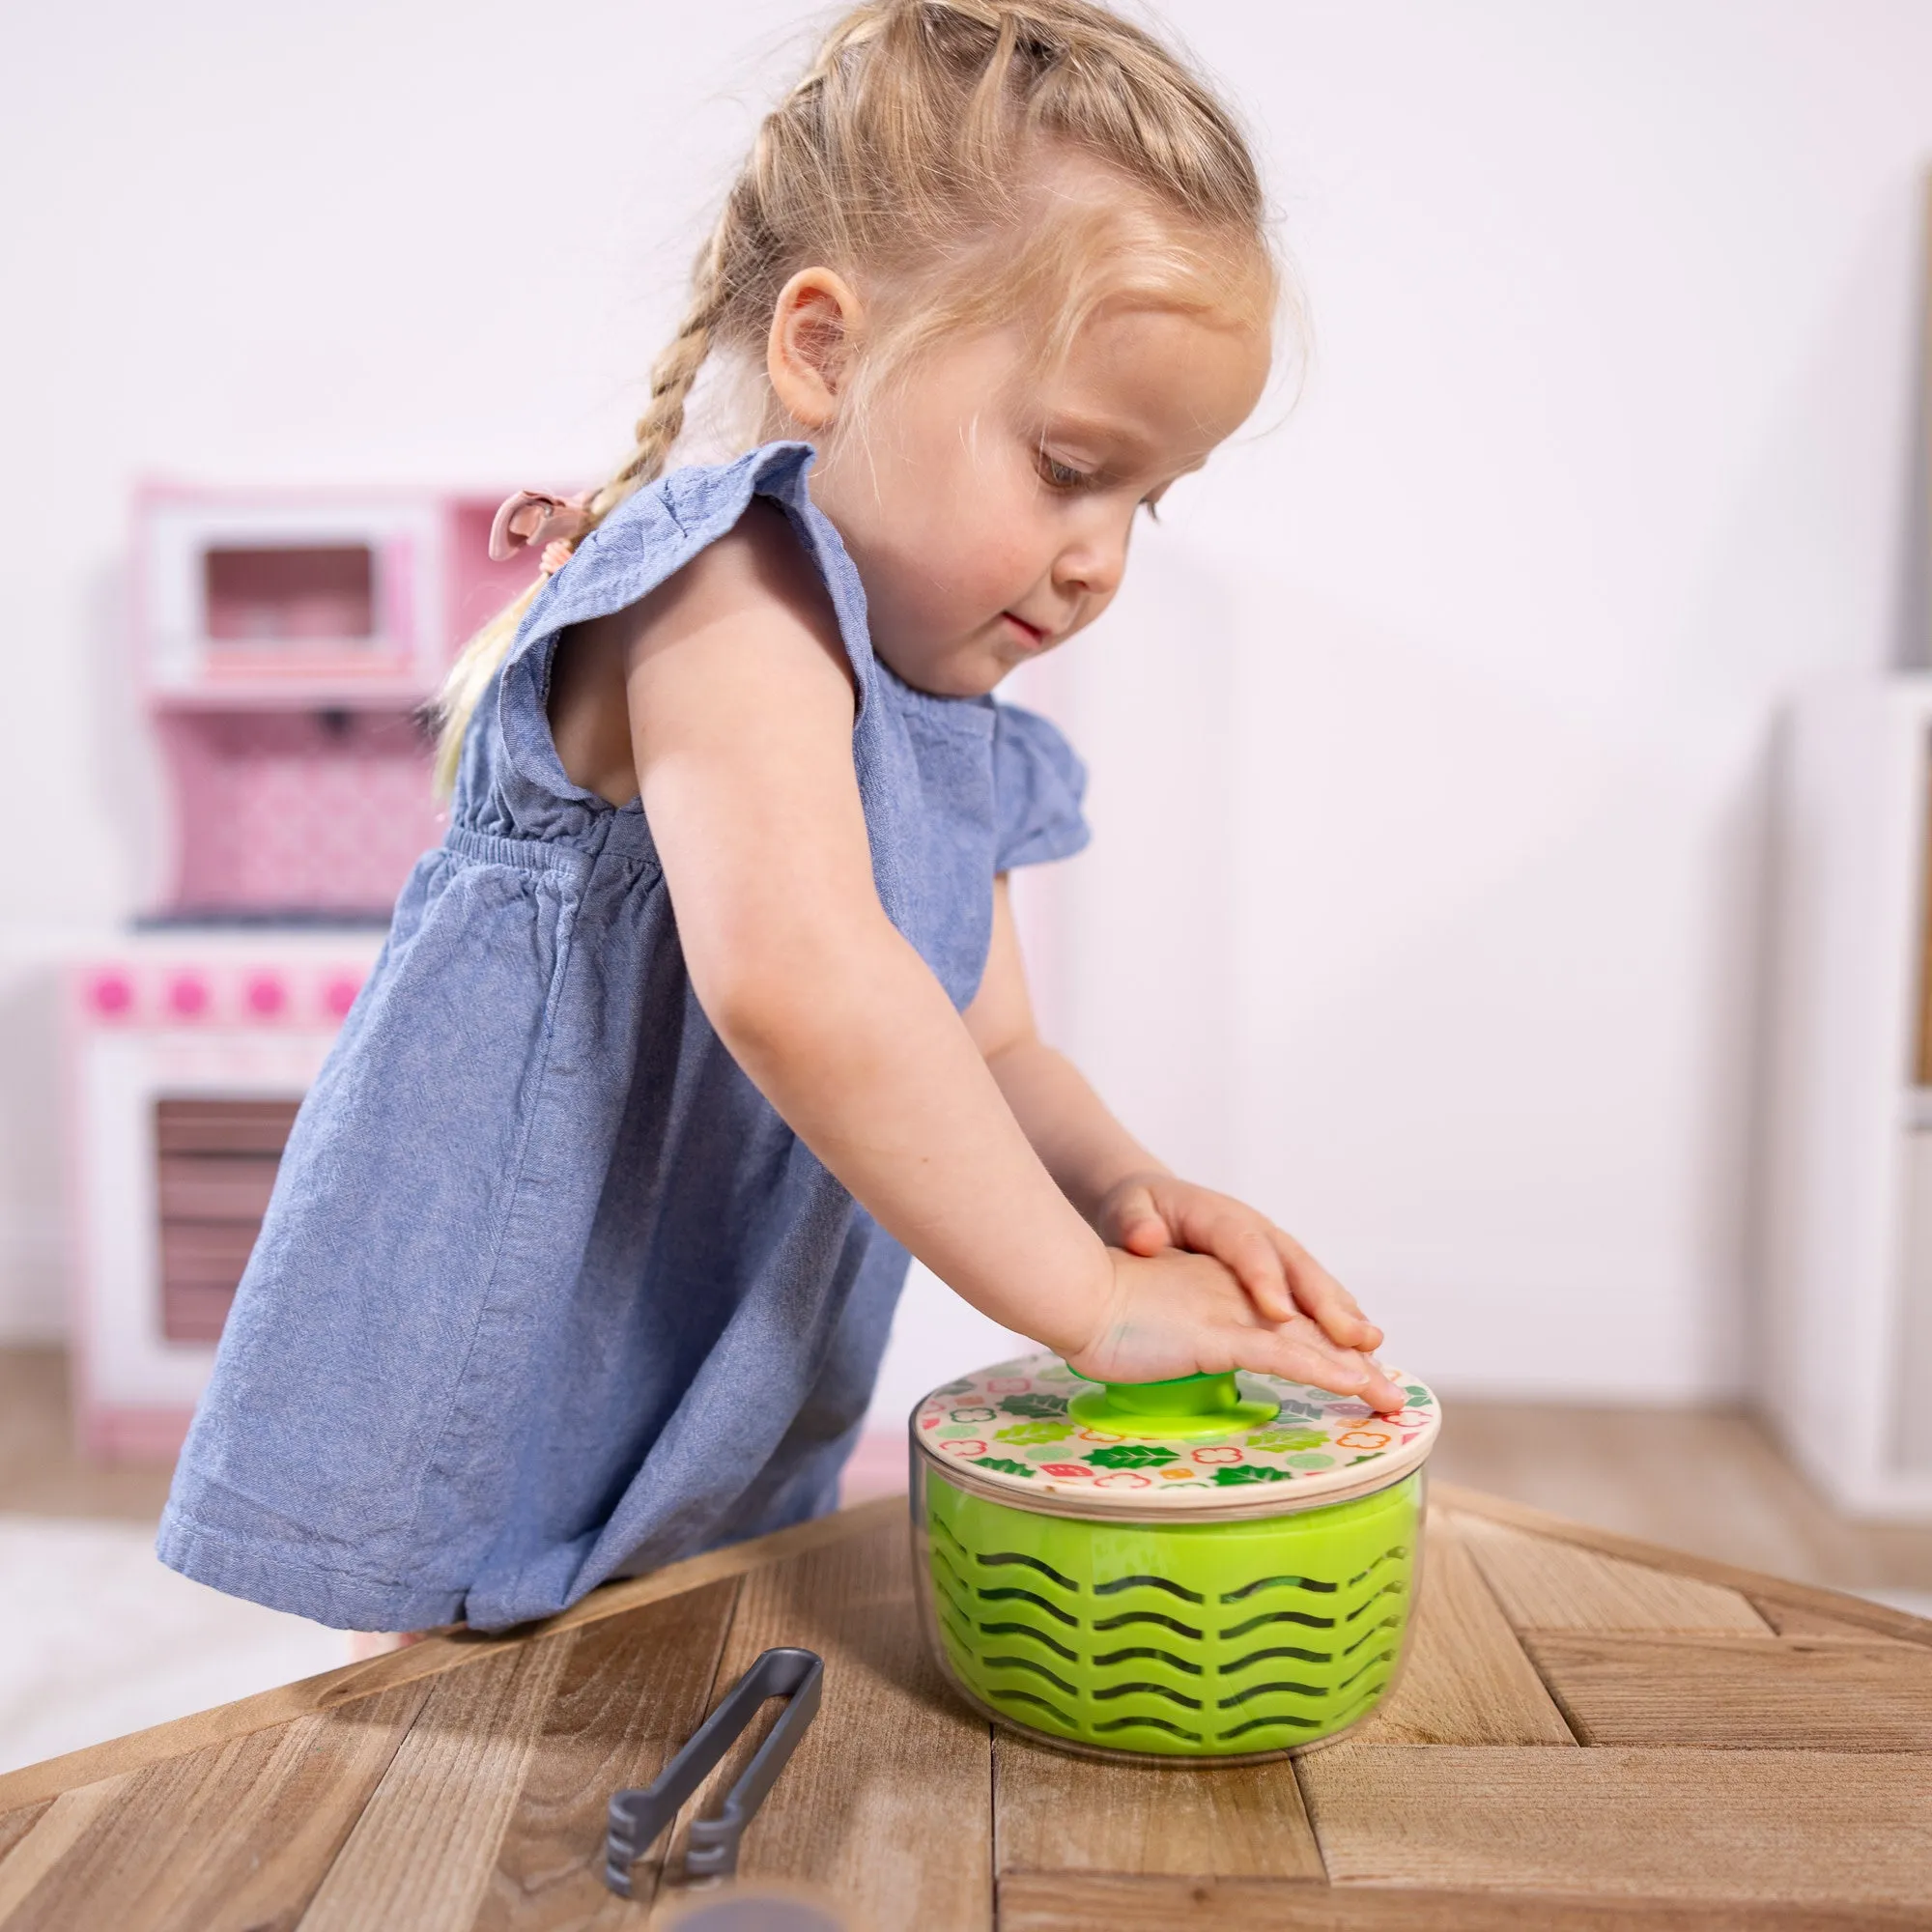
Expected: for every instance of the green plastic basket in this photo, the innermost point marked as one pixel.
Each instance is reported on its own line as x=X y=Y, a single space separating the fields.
x=1239 y=1623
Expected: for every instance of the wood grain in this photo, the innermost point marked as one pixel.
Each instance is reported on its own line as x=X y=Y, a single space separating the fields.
x=331 y=1690
x=1793 y=1825
x=1545 y=1585
x=59 y=1826
x=887 y=1802
x=1798 y=1620
x=1080 y=1902
x=422 y=1852
x=230 y=1838
x=1800 y=1692
x=1464 y=1678
x=1881 y=1619
x=15 y=1825
x=1055 y=1812
x=633 y=1688
x=1464 y=1803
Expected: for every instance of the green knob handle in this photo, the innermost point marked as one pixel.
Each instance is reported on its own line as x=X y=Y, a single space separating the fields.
x=1186 y=1405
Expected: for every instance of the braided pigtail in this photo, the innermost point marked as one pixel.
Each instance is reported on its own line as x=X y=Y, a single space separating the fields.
x=672 y=378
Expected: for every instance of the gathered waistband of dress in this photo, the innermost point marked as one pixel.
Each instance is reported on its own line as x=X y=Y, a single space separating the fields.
x=542 y=855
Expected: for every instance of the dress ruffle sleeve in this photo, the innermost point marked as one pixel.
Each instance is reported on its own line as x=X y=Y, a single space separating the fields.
x=1038 y=784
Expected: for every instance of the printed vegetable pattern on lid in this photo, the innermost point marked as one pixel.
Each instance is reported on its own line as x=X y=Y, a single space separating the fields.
x=1015 y=1426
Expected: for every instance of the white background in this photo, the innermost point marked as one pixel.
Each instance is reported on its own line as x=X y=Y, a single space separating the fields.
x=1430 y=737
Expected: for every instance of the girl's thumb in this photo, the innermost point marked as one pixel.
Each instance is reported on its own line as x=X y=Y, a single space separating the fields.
x=1143 y=1232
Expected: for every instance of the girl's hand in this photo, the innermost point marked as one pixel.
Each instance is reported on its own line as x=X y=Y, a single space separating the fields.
x=1148 y=1213
x=1179 y=1314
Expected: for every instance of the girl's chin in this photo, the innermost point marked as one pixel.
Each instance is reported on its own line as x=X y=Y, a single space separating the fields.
x=971 y=671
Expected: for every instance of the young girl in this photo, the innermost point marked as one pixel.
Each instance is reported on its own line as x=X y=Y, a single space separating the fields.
x=709 y=1008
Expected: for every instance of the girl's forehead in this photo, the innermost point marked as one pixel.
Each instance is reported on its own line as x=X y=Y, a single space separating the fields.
x=1156 y=381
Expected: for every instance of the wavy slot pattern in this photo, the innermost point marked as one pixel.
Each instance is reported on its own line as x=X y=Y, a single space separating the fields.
x=1278 y=1617
x=1057 y=1682
x=1291 y=1721
x=1380 y=1656
x=1255 y=1657
x=1113 y=1691
x=1008 y=1695
x=1270 y=1723
x=1085 y=1632
x=1121 y=1583
x=1385 y=1624
x=1149 y=1724
x=1128 y=1617
x=1366 y=1701
x=1002 y=1557
x=1029 y=1597
x=1255 y=1690
x=952 y=1596
x=1262 y=1584
x=1395 y=1555
x=1053 y=1644
x=1114 y=1656
x=1387 y=1590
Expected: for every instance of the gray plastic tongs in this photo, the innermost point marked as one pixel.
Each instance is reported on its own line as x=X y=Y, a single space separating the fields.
x=636 y=1817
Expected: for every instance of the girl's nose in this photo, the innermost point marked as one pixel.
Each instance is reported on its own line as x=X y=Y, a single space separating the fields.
x=1095 y=562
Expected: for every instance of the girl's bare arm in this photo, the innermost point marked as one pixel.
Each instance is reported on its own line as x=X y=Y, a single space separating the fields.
x=1130 y=1197
x=740 y=706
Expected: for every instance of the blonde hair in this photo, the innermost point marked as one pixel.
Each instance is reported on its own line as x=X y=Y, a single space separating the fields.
x=909 y=156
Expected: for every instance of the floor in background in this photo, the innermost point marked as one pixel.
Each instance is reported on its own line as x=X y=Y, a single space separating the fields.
x=40 y=1474
x=1703 y=1480
x=97 y=1638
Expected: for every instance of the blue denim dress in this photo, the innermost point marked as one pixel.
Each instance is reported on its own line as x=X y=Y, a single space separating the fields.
x=547 y=1289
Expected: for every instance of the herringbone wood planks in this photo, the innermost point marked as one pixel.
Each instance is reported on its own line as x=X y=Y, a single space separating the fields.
x=1589 y=1733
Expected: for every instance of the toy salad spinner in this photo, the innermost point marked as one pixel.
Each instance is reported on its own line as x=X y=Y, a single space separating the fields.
x=1218 y=1567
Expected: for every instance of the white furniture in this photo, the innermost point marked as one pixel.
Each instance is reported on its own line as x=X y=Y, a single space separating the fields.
x=1845 y=1251
x=163 y=1019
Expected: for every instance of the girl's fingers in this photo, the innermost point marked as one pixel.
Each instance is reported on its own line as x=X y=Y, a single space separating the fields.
x=1281 y=1277
x=1305 y=1358
x=1275 y=1353
x=1138 y=1224
x=1239 y=1240
x=1318 y=1293
x=1250 y=1257
x=1382 y=1394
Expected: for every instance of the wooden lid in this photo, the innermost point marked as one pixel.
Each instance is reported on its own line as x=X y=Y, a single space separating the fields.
x=1007 y=1430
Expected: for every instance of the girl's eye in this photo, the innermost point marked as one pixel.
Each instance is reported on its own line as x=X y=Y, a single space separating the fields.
x=1063 y=475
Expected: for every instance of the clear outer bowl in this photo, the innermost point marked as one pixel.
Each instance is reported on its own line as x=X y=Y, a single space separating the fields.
x=1158 y=1640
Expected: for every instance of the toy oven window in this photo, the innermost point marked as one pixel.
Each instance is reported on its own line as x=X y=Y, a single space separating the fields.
x=261 y=598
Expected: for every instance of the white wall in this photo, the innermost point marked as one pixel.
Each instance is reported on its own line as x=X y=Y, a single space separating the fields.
x=1429 y=738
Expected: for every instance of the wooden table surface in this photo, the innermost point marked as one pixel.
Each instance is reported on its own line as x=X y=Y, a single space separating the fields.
x=1590 y=1733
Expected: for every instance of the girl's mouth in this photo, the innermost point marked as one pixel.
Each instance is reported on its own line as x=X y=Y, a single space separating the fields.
x=1029 y=634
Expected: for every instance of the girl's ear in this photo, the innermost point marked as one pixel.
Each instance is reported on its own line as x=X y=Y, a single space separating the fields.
x=815 y=328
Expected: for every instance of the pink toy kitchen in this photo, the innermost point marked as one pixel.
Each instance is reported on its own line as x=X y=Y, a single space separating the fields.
x=285 y=644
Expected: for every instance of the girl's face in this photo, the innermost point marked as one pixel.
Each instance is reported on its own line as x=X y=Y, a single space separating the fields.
x=988 y=507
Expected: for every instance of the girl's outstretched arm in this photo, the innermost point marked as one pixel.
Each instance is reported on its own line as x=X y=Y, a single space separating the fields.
x=740 y=709
x=1131 y=1198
